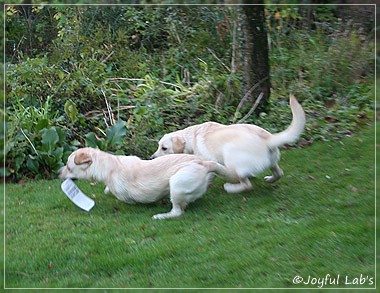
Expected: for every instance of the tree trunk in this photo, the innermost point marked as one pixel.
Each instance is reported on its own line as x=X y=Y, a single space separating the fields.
x=256 y=62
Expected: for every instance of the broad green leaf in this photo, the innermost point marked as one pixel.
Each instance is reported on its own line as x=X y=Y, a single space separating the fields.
x=71 y=110
x=61 y=75
x=93 y=142
x=49 y=136
x=57 y=153
x=41 y=124
x=116 y=133
x=33 y=165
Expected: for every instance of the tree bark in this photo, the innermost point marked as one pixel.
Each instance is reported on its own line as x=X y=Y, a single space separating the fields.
x=256 y=60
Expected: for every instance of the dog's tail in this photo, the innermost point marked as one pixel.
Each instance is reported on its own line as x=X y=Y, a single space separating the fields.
x=293 y=132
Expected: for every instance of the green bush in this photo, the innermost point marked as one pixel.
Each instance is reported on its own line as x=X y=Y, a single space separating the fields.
x=321 y=66
x=34 y=145
x=118 y=78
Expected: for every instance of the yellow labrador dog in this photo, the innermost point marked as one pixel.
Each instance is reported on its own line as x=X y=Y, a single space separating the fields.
x=132 y=180
x=246 y=149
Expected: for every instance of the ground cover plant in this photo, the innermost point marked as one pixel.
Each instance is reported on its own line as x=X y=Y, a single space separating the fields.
x=317 y=222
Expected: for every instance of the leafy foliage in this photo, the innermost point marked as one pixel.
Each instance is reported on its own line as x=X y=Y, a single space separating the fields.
x=119 y=77
x=114 y=137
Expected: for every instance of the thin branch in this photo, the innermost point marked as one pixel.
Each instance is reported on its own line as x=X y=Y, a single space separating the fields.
x=171 y=84
x=106 y=58
x=248 y=93
x=27 y=138
x=112 y=121
x=142 y=79
x=98 y=113
x=125 y=78
x=253 y=108
x=217 y=58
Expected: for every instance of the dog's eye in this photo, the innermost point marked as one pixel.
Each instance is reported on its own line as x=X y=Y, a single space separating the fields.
x=164 y=149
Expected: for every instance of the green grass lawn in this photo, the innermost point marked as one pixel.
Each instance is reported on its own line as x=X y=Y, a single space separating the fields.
x=317 y=222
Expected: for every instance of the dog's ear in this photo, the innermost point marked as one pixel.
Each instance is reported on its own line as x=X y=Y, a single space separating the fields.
x=178 y=144
x=82 y=158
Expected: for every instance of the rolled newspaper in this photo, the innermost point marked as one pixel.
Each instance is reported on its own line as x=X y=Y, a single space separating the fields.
x=73 y=192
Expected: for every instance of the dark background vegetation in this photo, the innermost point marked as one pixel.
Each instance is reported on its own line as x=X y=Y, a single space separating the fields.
x=119 y=77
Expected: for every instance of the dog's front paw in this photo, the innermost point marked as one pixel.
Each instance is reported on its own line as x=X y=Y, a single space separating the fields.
x=106 y=190
x=270 y=179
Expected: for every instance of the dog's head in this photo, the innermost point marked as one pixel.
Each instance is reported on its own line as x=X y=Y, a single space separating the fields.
x=170 y=144
x=78 y=165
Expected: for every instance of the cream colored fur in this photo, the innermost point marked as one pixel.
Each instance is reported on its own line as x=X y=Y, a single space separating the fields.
x=132 y=180
x=246 y=149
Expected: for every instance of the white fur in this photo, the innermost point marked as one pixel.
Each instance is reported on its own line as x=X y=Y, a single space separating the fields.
x=246 y=149
x=132 y=180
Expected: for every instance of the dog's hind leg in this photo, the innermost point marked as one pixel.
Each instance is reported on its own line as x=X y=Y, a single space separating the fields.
x=244 y=185
x=187 y=185
x=176 y=211
x=277 y=173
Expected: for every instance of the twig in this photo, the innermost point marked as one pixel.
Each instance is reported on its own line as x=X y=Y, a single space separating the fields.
x=142 y=79
x=75 y=132
x=217 y=58
x=176 y=34
x=125 y=78
x=253 y=108
x=248 y=93
x=112 y=121
x=109 y=55
x=27 y=138
x=98 y=113
x=171 y=84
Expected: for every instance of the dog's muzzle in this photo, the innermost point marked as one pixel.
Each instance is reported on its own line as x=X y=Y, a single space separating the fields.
x=60 y=171
x=61 y=175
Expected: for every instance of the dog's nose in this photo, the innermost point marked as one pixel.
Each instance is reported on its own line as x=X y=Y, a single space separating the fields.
x=60 y=173
x=152 y=157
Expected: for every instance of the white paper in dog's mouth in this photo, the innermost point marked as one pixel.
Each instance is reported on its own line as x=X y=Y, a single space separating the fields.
x=73 y=192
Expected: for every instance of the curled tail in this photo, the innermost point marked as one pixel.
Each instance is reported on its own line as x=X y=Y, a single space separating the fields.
x=293 y=132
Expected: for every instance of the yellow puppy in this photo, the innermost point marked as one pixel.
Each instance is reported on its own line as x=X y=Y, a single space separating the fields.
x=132 y=180
x=246 y=149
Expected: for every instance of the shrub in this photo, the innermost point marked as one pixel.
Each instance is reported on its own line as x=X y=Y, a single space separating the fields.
x=118 y=79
